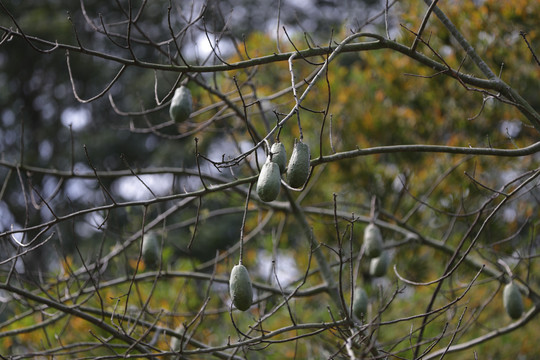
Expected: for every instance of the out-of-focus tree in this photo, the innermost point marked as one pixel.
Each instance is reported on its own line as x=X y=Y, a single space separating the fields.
x=421 y=119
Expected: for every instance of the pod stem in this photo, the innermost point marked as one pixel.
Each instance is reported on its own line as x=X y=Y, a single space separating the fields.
x=374 y=209
x=278 y=132
x=243 y=224
x=268 y=147
x=506 y=268
x=299 y=126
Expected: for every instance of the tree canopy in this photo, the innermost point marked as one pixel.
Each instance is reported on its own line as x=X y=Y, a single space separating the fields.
x=119 y=226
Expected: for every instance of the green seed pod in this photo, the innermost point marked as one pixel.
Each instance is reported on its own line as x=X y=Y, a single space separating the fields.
x=150 y=250
x=298 y=170
x=379 y=265
x=360 y=303
x=512 y=301
x=240 y=288
x=372 y=241
x=181 y=104
x=279 y=156
x=269 y=182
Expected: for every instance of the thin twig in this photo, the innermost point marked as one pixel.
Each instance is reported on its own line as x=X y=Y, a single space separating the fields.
x=423 y=24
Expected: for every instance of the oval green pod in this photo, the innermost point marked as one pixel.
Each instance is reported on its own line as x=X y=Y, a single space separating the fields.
x=279 y=156
x=240 y=288
x=512 y=301
x=269 y=182
x=181 y=104
x=150 y=250
x=372 y=241
x=298 y=169
x=379 y=265
x=360 y=303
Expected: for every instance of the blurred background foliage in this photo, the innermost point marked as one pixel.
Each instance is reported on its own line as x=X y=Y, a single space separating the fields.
x=376 y=98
